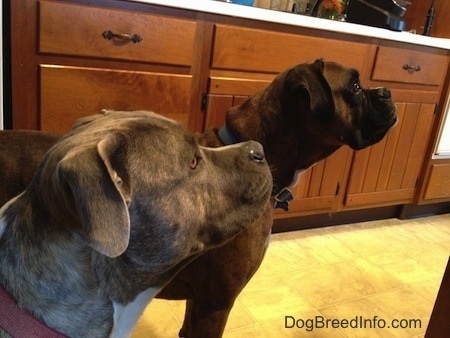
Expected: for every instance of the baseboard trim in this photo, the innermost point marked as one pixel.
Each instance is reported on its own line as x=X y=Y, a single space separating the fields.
x=413 y=211
x=354 y=216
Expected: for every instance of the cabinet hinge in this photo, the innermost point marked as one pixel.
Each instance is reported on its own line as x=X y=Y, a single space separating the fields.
x=204 y=101
x=338 y=187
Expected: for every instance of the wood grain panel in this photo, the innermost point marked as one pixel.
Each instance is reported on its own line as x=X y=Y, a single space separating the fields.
x=217 y=107
x=68 y=93
x=359 y=169
x=77 y=30
x=316 y=179
x=238 y=48
x=418 y=145
x=386 y=173
x=374 y=163
x=380 y=198
x=390 y=149
x=302 y=188
x=230 y=86
x=332 y=173
x=238 y=99
x=389 y=68
x=439 y=182
x=403 y=146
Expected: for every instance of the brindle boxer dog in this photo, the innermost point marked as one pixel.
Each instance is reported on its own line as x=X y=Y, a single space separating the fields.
x=20 y=152
x=306 y=113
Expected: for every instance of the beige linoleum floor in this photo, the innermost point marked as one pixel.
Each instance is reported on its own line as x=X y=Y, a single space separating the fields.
x=390 y=269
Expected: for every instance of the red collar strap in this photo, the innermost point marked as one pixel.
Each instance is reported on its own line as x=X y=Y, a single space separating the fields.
x=20 y=323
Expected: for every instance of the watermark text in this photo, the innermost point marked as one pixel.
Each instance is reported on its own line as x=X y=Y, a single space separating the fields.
x=357 y=322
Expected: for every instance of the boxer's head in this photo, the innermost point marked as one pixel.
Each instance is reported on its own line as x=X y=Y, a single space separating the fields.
x=348 y=113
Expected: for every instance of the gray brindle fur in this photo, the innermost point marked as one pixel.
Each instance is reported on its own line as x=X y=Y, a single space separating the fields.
x=114 y=210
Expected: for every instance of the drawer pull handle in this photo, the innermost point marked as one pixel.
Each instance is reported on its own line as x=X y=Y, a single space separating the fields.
x=108 y=35
x=411 y=68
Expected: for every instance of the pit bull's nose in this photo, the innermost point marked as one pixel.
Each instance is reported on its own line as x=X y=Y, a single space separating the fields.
x=257 y=156
x=256 y=152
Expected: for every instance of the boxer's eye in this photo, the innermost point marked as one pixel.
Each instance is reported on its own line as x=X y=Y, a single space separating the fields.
x=356 y=87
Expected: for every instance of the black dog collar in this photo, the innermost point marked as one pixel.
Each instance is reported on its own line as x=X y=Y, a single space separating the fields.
x=284 y=196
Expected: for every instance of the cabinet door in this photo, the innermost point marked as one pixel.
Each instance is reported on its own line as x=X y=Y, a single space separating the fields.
x=68 y=93
x=218 y=106
x=387 y=173
x=318 y=186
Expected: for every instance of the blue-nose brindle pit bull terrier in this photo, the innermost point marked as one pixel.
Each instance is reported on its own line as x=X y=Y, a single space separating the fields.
x=113 y=211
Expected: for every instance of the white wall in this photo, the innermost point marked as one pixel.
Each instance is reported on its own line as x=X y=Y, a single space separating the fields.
x=443 y=147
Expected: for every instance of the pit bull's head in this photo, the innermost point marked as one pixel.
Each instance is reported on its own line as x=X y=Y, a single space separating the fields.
x=139 y=182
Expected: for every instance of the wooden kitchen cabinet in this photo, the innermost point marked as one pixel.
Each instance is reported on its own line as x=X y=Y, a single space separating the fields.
x=74 y=68
x=319 y=187
x=388 y=172
x=193 y=66
x=258 y=50
x=438 y=185
x=434 y=184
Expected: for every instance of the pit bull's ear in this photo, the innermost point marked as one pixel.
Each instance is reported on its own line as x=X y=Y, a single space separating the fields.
x=307 y=83
x=88 y=119
x=100 y=188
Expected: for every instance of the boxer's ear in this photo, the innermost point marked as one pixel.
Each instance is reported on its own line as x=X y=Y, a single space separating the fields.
x=100 y=190
x=307 y=88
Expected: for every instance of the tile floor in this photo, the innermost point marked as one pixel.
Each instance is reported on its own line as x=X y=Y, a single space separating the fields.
x=390 y=269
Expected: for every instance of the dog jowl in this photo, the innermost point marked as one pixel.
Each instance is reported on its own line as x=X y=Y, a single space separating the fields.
x=114 y=210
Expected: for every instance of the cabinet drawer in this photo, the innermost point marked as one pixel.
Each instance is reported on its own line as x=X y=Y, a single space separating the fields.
x=237 y=48
x=439 y=182
x=77 y=30
x=68 y=93
x=408 y=66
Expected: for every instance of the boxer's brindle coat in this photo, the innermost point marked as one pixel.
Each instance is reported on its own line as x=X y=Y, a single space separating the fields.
x=303 y=116
x=114 y=209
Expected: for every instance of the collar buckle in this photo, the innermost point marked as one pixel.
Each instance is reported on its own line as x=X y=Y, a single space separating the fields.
x=282 y=199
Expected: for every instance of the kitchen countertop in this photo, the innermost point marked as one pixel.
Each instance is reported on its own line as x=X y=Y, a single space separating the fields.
x=261 y=14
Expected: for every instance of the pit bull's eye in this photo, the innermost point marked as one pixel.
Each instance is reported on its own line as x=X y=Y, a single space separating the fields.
x=194 y=162
x=357 y=87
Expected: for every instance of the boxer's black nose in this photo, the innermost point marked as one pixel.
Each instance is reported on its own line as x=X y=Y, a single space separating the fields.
x=384 y=93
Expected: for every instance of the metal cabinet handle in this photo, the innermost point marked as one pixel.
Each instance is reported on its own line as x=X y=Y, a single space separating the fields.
x=411 y=68
x=108 y=35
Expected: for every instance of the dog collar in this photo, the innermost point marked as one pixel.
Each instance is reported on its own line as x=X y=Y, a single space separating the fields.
x=20 y=323
x=226 y=136
x=284 y=196
x=282 y=199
